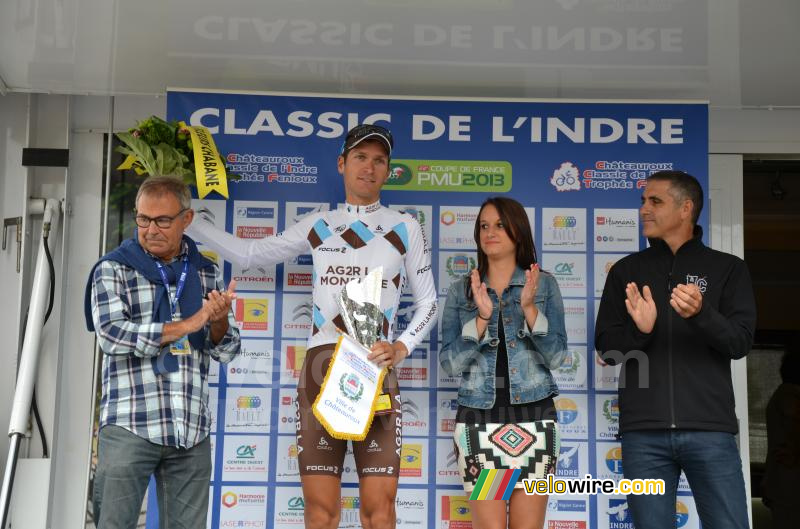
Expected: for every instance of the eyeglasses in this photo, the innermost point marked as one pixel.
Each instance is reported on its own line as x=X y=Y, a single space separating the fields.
x=164 y=221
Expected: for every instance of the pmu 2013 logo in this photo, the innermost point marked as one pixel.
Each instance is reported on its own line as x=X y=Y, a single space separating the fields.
x=400 y=174
x=450 y=176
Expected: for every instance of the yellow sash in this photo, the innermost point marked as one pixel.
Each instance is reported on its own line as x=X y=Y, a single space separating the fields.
x=209 y=168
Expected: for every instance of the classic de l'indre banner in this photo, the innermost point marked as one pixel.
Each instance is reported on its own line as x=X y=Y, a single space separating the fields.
x=577 y=166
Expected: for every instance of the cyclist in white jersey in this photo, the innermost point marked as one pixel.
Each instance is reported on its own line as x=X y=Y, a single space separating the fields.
x=347 y=243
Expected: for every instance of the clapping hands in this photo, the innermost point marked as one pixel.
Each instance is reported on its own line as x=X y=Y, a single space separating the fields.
x=480 y=295
x=528 y=295
x=218 y=303
x=641 y=307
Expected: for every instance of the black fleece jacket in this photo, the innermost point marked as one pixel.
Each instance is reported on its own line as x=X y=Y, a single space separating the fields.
x=678 y=375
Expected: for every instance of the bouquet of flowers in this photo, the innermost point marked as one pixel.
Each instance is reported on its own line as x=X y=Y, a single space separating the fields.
x=158 y=147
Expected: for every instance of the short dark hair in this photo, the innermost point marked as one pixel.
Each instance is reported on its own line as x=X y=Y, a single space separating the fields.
x=518 y=228
x=164 y=184
x=683 y=186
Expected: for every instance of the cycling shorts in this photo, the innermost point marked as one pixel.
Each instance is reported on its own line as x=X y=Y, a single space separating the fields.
x=320 y=453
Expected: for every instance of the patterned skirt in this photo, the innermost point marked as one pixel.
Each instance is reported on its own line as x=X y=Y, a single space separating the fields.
x=530 y=446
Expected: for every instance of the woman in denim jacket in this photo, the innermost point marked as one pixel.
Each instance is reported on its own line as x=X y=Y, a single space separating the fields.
x=503 y=331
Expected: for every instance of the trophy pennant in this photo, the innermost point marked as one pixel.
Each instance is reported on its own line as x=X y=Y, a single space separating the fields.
x=350 y=391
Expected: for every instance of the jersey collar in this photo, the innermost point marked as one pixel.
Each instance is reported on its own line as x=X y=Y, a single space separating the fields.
x=361 y=210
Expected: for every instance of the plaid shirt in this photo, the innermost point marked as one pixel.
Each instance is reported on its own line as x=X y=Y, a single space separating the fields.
x=169 y=409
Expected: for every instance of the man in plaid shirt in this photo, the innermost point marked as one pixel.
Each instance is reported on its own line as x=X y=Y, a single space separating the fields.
x=160 y=312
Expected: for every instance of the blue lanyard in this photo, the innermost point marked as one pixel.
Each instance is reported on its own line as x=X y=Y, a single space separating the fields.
x=181 y=283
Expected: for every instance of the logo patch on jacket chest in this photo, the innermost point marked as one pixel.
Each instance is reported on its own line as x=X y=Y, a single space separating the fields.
x=701 y=282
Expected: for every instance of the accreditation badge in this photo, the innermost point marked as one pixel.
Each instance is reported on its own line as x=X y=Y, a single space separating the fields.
x=350 y=392
x=181 y=346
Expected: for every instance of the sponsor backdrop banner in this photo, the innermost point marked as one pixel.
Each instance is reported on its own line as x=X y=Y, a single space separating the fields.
x=577 y=167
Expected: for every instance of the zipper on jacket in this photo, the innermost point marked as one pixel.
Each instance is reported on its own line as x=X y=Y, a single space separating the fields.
x=669 y=347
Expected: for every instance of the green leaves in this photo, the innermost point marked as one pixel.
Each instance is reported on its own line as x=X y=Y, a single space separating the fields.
x=140 y=150
x=155 y=131
x=158 y=147
x=169 y=160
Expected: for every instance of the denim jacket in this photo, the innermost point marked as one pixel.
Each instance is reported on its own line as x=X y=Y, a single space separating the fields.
x=532 y=353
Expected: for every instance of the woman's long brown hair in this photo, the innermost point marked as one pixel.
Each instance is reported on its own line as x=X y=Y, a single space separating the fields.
x=518 y=228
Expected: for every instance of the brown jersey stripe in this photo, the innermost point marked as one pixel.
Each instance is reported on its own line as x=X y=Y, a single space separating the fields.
x=352 y=238
x=313 y=239
x=395 y=241
x=338 y=321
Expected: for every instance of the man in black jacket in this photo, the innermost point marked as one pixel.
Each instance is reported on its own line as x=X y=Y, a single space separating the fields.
x=675 y=315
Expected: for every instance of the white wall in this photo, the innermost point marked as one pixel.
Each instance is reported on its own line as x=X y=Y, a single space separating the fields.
x=13 y=136
x=756 y=131
x=64 y=383
x=74 y=393
x=32 y=122
x=726 y=233
x=89 y=122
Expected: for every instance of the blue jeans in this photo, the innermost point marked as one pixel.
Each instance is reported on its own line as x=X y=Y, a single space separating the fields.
x=712 y=466
x=124 y=466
